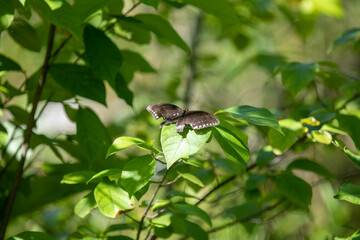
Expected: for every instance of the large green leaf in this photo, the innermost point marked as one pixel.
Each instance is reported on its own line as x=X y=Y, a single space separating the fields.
x=112 y=200
x=79 y=80
x=349 y=192
x=254 y=115
x=350 y=123
x=124 y=142
x=121 y=89
x=85 y=205
x=308 y=165
x=232 y=145
x=91 y=134
x=27 y=235
x=348 y=35
x=85 y=8
x=292 y=130
x=192 y=210
x=133 y=62
x=6 y=64
x=218 y=8
x=101 y=53
x=24 y=34
x=294 y=189
x=137 y=173
x=177 y=145
x=162 y=29
x=60 y=13
x=296 y=76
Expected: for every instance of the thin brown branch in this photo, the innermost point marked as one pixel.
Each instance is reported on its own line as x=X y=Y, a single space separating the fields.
x=318 y=96
x=27 y=136
x=193 y=59
x=125 y=14
x=149 y=205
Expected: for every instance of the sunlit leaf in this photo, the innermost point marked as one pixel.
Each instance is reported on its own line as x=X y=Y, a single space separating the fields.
x=164 y=220
x=85 y=205
x=177 y=145
x=106 y=173
x=349 y=192
x=112 y=200
x=124 y=142
x=77 y=177
x=192 y=178
x=137 y=173
x=189 y=209
x=321 y=137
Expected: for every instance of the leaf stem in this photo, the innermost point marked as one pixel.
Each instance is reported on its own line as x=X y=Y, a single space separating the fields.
x=149 y=205
x=27 y=135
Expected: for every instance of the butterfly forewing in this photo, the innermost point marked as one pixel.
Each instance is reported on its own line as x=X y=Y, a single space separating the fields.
x=165 y=110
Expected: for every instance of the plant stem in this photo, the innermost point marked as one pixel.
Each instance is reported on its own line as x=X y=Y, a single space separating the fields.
x=27 y=136
x=149 y=205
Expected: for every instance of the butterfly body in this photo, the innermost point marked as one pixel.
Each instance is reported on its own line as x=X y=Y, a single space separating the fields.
x=173 y=114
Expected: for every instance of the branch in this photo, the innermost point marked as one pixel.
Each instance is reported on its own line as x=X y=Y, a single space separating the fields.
x=27 y=136
x=245 y=219
x=193 y=59
x=149 y=205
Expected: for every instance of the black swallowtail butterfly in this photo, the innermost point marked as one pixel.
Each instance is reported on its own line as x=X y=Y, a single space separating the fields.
x=173 y=114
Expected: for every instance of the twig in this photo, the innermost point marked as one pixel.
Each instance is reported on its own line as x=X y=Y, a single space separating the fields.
x=125 y=14
x=318 y=96
x=171 y=182
x=193 y=59
x=131 y=217
x=149 y=205
x=27 y=136
x=357 y=95
x=245 y=219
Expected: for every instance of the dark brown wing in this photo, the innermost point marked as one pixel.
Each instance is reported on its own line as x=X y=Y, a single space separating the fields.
x=198 y=120
x=165 y=110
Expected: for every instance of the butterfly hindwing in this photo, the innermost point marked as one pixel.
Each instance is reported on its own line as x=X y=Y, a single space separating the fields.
x=200 y=119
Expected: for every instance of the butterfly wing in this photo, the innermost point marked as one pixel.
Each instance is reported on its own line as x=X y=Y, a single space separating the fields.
x=197 y=120
x=165 y=110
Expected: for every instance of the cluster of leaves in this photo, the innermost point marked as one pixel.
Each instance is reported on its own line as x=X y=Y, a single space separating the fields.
x=82 y=58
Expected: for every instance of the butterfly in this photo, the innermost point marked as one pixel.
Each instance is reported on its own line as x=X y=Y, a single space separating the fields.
x=173 y=114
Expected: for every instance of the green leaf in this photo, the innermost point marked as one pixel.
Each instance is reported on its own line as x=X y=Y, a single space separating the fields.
x=195 y=231
x=84 y=8
x=233 y=146
x=192 y=210
x=6 y=64
x=77 y=177
x=292 y=130
x=85 y=205
x=140 y=193
x=152 y=3
x=137 y=33
x=177 y=145
x=161 y=203
x=162 y=29
x=264 y=156
x=308 y=165
x=353 y=157
x=91 y=134
x=270 y=62
x=133 y=61
x=254 y=115
x=347 y=36
x=294 y=189
x=124 y=142
x=101 y=53
x=3 y=135
x=164 y=220
x=6 y=14
x=228 y=165
x=349 y=123
x=323 y=137
x=219 y=8
x=25 y=35
x=79 y=80
x=60 y=13
x=296 y=76
x=112 y=199
x=121 y=89
x=192 y=178
x=245 y=210
x=20 y=115
x=349 y=192
x=137 y=173
x=106 y=173
x=27 y=235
